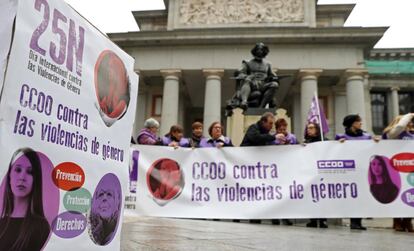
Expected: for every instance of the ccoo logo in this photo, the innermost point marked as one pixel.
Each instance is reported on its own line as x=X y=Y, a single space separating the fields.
x=336 y=164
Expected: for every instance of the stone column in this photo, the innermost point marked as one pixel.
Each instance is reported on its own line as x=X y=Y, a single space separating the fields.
x=368 y=108
x=212 y=97
x=140 y=110
x=339 y=107
x=308 y=87
x=169 y=114
x=395 y=101
x=355 y=93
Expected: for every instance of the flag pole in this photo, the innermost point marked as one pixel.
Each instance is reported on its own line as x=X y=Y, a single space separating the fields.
x=319 y=114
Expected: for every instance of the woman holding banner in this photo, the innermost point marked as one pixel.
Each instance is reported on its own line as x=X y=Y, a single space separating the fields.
x=402 y=127
x=175 y=138
x=197 y=134
x=217 y=138
x=353 y=131
x=283 y=137
x=313 y=134
x=23 y=225
x=148 y=135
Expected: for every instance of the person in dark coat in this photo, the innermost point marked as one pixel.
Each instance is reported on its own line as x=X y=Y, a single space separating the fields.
x=197 y=134
x=353 y=131
x=313 y=134
x=258 y=134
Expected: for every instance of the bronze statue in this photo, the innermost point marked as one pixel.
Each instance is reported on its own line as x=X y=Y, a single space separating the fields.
x=256 y=83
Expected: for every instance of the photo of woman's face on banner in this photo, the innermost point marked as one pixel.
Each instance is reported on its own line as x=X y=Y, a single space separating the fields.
x=385 y=181
x=30 y=201
x=105 y=210
x=112 y=87
x=165 y=181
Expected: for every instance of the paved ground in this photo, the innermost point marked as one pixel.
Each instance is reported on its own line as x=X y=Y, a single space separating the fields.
x=180 y=234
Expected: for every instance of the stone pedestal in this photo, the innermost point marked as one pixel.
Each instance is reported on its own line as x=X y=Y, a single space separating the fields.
x=238 y=123
x=235 y=127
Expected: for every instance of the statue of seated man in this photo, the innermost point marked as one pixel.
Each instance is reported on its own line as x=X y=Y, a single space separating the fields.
x=256 y=82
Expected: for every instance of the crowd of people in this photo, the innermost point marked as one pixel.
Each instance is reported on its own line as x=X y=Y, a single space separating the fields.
x=260 y=134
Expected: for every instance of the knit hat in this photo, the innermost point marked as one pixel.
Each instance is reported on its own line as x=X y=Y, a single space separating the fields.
x=350 y=119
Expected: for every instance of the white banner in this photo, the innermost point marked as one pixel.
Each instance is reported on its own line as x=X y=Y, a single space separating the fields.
x=319 y=180
x=66 y=115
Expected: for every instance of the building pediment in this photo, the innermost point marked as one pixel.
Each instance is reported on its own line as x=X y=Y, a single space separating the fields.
x=240 y=13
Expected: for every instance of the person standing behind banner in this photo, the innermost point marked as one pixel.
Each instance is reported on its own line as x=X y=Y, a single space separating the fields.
x=283 y=137
x=313 y=134
x=217 y=138
x=353 y=131
x=197 y=134
x=23 y=225
x=148 y=135
x=175 y=138
x=258 y=134
x=402 y=127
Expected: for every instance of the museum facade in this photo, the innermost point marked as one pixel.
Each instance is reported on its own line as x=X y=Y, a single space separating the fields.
x=187 y=54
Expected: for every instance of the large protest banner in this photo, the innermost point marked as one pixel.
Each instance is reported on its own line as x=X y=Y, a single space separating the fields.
x=66 y=115
x=324 y=179
x=7 y=14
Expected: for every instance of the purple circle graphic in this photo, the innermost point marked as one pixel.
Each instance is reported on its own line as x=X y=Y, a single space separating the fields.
x=105 y=210
x=385 y=181
x=408 y=197
x=69 y=225
x=29 y=176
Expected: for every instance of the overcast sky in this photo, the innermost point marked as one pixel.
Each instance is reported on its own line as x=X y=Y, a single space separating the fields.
x=115 y=16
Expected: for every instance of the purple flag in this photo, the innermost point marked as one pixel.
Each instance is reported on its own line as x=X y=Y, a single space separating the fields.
x=317 y=115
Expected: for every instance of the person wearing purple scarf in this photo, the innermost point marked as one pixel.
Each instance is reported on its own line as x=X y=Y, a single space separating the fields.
x=217 y=138
x=353 y=131
x=175 y=138
x=283 y=137
x=313 y=134
x=402 y=127
x=148 y=135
